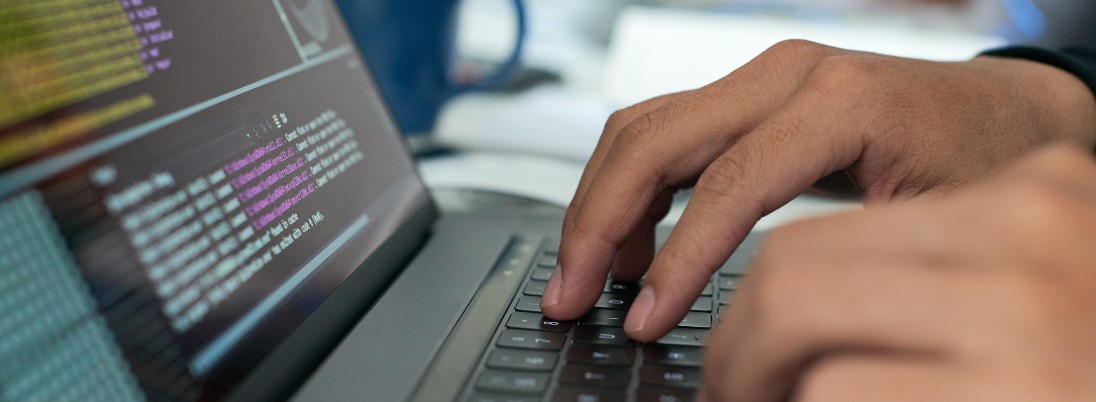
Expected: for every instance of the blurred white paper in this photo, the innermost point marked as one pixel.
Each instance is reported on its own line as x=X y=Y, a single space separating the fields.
x=554 y=181
x=546 y=120
x=657 y=51
x=548 y=180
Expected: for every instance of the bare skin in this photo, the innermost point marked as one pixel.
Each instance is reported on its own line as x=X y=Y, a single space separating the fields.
x=755 y=139
x=961 y=304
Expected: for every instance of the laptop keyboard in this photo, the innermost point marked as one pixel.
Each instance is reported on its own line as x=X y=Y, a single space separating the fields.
x=534 y=358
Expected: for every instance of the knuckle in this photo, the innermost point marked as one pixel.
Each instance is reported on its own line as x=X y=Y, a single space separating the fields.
x=867 y=86
x=637 y=150
x=580 y=223
x=722 y=177
x=724 y=189
x=794 y=48
x=619 y=119
x=636 y=134
x=841 y=74
x=570 y=213
x=792 y=52
x=685 y=253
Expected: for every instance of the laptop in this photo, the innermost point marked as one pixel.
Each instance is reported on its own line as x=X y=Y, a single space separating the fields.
x=208 y=200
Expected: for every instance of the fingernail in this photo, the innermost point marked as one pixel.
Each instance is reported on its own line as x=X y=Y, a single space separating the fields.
x=553 y=289
x=640 y=311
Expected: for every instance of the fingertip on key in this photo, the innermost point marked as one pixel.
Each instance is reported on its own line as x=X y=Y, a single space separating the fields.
x=554 y=288
x=640 y=312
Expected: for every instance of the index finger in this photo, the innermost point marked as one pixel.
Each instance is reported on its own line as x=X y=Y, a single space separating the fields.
x=764 y=170
x=659 y=149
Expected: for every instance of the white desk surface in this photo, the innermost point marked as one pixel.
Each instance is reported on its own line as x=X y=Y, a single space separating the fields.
x=554 y=181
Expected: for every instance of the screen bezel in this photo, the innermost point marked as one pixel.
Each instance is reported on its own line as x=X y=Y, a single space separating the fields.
x=289 y=365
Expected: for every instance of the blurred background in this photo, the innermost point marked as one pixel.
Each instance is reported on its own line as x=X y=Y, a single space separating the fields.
x=582 y=59
x=618 y=52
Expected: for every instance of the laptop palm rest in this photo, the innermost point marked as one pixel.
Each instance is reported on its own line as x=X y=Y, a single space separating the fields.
x=387 y=352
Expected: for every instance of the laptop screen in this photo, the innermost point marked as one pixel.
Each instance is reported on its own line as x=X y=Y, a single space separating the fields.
x=182 y=183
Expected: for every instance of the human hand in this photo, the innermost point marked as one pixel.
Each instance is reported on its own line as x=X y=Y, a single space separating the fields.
x=988 y=294
x=761 y=135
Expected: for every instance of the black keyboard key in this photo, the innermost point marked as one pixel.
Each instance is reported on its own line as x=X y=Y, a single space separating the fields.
x=601 y=355
x=622 y=287
x=478 y=397
x=616 y=301
x=535 y=288
x=517 y=359
x=538 y=322
x=670 y=355
x=670 y=377
x=595 y=335
x=664 y=395
x=728 y=282
x=703 y=303
x=541 y=274
x=696 y=320
x=587 y=395
x=524 y=339
x=685 y=337
x=725 y=296
x=512 y=382
x=595 y=376
x=529 y=304
x=604 y=317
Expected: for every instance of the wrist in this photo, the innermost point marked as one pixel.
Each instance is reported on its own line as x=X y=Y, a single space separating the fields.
x=1056 y=102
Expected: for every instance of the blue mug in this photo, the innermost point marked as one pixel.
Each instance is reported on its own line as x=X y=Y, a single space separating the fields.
x=409 y=46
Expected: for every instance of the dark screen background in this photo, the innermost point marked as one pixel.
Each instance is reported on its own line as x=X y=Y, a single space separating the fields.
x=234 y=184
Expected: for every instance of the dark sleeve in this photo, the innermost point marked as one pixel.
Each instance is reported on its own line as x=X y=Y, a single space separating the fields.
x=1079 y=61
